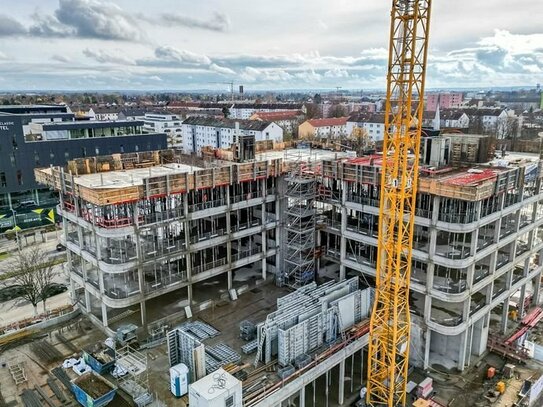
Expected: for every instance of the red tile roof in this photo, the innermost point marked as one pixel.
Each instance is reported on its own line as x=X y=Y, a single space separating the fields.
x=333 y=121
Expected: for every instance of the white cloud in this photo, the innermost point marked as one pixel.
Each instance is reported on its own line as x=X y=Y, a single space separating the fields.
x=172 y=54
x=105 y=57
x=221 y=69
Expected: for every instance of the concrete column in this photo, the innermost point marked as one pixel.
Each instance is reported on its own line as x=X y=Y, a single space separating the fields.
x=104 y=315
x=474 y=240
x=435 y=211
x=505 y=315
x=343 y=241
x=341 y=386
x=427 y=348
x=143 y=316
x=264 y=250
x=537 y=288
x=462 y=350
x=430 y=276
x=302 y=396
x=87 y=300
x=229 y=252
x=469 y=344
x=522 y=297
x=327 y=387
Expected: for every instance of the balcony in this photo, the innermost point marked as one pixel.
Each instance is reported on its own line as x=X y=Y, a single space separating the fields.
x=154 y=283
x=206 y=205
x=462 y=217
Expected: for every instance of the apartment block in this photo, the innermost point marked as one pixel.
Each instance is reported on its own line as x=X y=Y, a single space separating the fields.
x=201 y=132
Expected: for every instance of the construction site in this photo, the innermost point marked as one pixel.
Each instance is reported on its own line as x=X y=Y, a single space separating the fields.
x=285 y=275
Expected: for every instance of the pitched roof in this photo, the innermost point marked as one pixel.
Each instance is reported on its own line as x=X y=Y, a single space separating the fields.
x=451 y=114
x=255 y=125
x=332 y=121
x=367 y=117
x=277 y=115
x=483 y=112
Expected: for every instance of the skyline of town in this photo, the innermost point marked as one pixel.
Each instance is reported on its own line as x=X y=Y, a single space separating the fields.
x=119 y=45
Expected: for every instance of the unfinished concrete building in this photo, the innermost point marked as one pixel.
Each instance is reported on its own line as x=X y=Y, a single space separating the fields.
x=477 y=243
x=144 y=231
x=149 y=234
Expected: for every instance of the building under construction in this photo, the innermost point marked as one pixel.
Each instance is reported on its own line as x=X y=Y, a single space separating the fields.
x=150 y=234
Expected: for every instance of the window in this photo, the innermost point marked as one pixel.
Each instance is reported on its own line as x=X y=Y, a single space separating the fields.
x=66 y=154
x=229 y=402
x=3 y=181
x=122 y=148
x=136 y=148
x=97 y=150
x=83 y=151
x=36 y=157
x=19 y=177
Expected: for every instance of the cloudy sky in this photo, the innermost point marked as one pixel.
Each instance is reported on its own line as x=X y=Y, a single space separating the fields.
x=279 y=44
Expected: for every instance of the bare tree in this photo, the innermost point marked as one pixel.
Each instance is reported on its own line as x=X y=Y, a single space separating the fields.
x=33 y=272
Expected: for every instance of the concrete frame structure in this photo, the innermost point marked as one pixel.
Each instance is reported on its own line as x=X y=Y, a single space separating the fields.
x=478 y=243
x=162 y=229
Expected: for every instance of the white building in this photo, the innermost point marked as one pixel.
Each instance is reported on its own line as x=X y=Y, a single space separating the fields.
x=246 y=110
x=334 y=128
x=488 y=120
x=373 y=123
x=220 y=133
x=288 y=120
x=165 y=123
x=108 y=113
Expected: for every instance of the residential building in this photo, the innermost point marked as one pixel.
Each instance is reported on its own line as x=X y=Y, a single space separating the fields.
x=453 y=119
x=165 y=123
x=488 y=121
x=42 y=135
x=446 y=100
x=332 y=128
x=132 y=113
x=105 y=112
x=220 y=133
x=288 y=120
x=246 y=110
x=372 y=123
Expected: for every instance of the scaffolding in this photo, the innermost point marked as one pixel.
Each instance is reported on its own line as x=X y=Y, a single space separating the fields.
x=298 y=243
x=136 y=380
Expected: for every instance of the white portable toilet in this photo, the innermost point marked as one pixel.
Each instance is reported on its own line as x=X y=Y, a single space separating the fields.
x=179 y=380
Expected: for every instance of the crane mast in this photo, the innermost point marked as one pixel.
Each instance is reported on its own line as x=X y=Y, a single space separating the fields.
x=388 y=352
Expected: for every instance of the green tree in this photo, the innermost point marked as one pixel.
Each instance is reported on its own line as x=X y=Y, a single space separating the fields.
x=33 y=273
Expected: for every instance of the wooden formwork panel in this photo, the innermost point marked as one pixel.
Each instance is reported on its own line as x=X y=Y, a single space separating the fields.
x=465 y=193
x=245 y=172
x=107 y=196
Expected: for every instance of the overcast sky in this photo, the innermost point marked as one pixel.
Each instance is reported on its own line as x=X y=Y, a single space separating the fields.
x=278 y=44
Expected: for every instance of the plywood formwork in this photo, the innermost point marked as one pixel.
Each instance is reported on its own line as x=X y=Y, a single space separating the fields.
x=109 y=188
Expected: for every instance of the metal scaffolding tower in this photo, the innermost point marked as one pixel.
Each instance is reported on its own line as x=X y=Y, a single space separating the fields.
x=298 y=243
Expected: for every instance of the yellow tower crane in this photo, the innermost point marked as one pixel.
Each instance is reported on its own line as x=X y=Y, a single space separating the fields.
x=390 y=320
